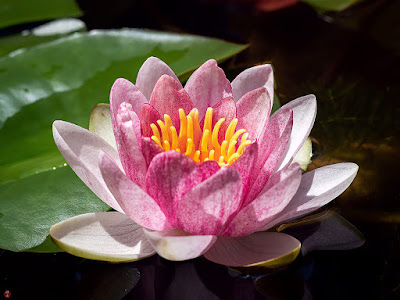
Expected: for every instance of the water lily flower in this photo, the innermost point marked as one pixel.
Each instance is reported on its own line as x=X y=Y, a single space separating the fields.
x=196 y=170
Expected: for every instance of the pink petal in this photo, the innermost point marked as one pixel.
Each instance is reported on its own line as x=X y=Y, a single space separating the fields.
x=226 y=108
x=150 y=149
x=125 y=91
x=207 y=86
x=168 y=97
x=169 y=177
x=208 y=168
x=149 y=115
x=138 y=205
x=245 y=164
x=253 y=78
x=251 y=249
x=127 y=130
x=178 y=245
x=206 y=208
x=278 y=192
x=318 y=188
x=304 y=112
x=253 y=112
x=272 y=144
x=81 y=149
x=149 y=73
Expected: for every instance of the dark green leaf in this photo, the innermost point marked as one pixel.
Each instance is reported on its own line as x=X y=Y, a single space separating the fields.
x=23 y=11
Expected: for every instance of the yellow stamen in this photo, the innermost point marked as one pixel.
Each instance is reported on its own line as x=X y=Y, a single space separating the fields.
x=233 y=158
x=182 y=117
x=196 y=157
x=231 y=129
x=215 y=132
x=189 y=127
x=189 y=147
x=211 y=154
x=231 y=148
x=167 y=147
x=156 y=133
x=174 y=138
x=157 y=140
x=164 y=132
x=241 y=147
x=223 y=149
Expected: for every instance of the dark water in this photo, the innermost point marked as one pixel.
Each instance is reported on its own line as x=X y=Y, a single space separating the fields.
x=351 y=62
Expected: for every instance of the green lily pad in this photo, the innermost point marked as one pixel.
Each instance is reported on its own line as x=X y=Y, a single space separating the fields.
x=64 y=79
x=23 y=11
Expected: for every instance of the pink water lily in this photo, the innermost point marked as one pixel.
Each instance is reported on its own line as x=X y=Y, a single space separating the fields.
x=196 y=170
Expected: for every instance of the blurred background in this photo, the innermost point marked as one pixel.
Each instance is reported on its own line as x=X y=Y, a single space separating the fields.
x=347 y=53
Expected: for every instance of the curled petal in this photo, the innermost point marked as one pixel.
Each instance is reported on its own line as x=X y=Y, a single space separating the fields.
x=273 y=199
x=207 y=86
x=149 y=73
x=257 y=249
x=100 y=123
x=178 y=245
x=253 y=78
x=206 y=208
x=304 y=112
x=107 y=236
x=316 y=189
x=136 y=203
x=81 y=149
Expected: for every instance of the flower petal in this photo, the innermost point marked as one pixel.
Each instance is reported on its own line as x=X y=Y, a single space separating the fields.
x=273 y=199
x=136 y=203
x=257 y=249
x=207 y=86
x=149 y=73
x=100 y=123
x=148 y=115
x=253 y=112
x=178 y=245
x=81 y=148
x=206 y=208
x=304 y=112
x=303 y=156
x=125 y=91
x=127 y=134
x=272 y=144
x=318 y=188
x=108 y=236
x=168 y=97
x=150 y=149
x=169 y=177
x=253 y=78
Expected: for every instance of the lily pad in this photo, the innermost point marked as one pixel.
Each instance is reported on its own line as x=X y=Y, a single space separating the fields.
x=23 y=11
x=64 y=79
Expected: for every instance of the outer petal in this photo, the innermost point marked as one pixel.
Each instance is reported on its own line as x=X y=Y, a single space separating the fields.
x=125 y=91
x=149 y=73
x=272 y=144
x=253 y=112
x=178 y=245
x=168 y=97
x=254 y=249
x=127 y=133
x=169 y=177
x=253 y=78
x=108 y=236
x=139 y=206
x=81 y=149
x=318 y=188
x=304 y=112
x=206 y=208
x=100 y=123
x=274 y=197
x=207 y=86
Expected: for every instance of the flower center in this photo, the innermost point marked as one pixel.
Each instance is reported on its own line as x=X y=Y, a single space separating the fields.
x=201 y=145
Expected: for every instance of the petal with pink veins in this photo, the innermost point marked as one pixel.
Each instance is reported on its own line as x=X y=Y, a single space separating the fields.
x=169 y=177
x=125 y=91
x=253 y=112
x=273 y=199
x=168 y=97
x=135 y=202
x=177 y=245
x=304 y=112
x=81 y=149
x=127 y=131
x=207 y=86
x=108 y=236
x=206 y=208
x=149 y=73
x=148 y=115
x=150 y=149
x=253 y=78
x=272 y=144
x=317 y=188
x=256 y=249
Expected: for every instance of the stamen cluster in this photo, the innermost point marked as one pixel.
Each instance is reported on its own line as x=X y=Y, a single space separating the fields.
x=201 y=145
